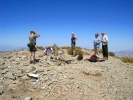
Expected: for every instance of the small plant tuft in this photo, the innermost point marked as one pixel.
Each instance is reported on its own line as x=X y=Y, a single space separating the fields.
x=127 y=60
x=111 y=53
x=40 y=47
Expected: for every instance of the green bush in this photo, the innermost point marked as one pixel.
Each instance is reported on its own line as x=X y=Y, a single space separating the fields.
x=111 y=53
x=127 y=60
x=78 y=51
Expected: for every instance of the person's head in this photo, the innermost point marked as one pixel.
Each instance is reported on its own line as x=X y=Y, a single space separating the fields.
x=102 y=33
x=48 y=47
x=32 y=32
x=72 y=33
x=96 y=35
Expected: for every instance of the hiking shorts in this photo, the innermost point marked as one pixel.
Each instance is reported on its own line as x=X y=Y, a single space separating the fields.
x=32 y=49
x=73 y=46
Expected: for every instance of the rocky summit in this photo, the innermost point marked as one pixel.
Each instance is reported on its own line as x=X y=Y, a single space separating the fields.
x=63 y=78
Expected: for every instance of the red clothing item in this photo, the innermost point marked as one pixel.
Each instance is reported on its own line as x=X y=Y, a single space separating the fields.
x=93 y=56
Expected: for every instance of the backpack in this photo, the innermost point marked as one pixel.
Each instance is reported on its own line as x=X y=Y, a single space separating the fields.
x=30 y=45
x=80 y=57
x=93 y=60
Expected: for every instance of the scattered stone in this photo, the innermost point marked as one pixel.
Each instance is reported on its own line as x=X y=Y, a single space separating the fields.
x=43 y=87
x=32 y=75
x=24 y=58
x=25 y=78
x=1 y=90
x=9 y=76
x=75 y=80
x=28 y=98
x=93 y=71
x=4 y=71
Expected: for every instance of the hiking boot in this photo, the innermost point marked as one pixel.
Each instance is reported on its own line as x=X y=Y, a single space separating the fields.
x=105 y=58
x=33 y=62
x=30 y=61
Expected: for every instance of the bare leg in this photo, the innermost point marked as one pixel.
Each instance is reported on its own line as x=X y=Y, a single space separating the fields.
x=73 y=52
x=30 y=57
x=44 y=53
x=33 y=54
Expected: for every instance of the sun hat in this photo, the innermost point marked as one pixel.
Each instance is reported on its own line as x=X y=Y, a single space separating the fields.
x=72 y=32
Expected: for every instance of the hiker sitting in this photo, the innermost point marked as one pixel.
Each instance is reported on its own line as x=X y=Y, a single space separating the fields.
x=48 y=50
x=93 y=58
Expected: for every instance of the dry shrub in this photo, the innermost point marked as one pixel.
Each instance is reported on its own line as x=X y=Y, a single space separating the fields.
x=40 y=47
x=65 y=47
x=100 y=50
x=127 y=60
x=78 y=51
x=111 y=53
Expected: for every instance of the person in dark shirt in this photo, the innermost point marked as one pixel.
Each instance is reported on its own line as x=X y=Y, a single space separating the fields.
x=73 y=43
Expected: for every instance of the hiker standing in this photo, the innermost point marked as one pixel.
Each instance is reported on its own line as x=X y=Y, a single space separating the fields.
x=32 y=39
x=96 y=45
x=73 y=43
x=104 y=45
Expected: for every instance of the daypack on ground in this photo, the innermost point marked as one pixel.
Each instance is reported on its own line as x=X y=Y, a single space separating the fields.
x=93 y=58
x=80 y=57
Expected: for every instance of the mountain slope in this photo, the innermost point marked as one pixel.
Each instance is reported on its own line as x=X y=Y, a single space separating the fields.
x=127 y=53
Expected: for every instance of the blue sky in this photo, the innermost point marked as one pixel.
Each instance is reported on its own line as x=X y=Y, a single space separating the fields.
x=54 y=20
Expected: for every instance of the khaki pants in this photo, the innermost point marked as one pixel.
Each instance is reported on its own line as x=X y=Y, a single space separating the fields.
x=96 y=51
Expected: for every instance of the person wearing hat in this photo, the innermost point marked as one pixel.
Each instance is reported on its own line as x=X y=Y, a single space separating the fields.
x=96 y=42
x=73 y=43
x=104 y=45
x=32 y=49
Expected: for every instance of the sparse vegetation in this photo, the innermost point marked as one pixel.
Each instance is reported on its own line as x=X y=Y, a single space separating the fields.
x=111 y=53
x=78 y=51
x=100 y=50
x=65 y=47
x=127 y=60
x=40 y=47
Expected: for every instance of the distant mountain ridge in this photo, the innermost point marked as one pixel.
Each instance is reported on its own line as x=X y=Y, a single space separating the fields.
x=10 y=47
x=127 y=53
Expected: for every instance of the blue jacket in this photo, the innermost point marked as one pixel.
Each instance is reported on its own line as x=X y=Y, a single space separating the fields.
x=97 y=42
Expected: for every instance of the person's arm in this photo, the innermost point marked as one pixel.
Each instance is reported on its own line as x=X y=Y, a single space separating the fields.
x=37 y=35
x=44 y=51
x=75 y=38
x=51 y=50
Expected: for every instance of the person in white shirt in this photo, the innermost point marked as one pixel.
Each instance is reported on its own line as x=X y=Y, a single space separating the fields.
x=104 y=45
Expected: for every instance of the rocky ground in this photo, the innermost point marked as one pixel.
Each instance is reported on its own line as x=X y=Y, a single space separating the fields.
x=65 y=79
